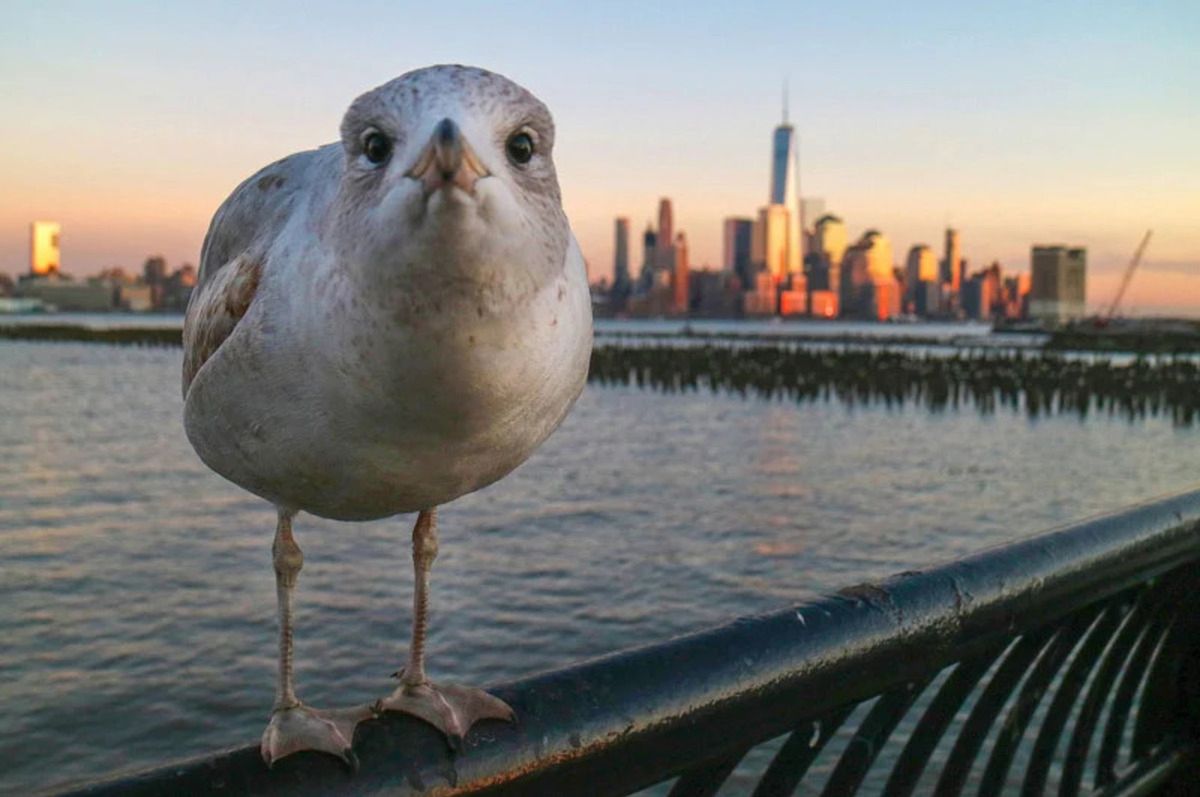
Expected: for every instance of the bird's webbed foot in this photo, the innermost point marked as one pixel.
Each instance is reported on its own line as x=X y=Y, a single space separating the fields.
x=299 y=727
x=451 y=708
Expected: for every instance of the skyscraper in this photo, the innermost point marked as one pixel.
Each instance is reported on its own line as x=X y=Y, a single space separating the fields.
x=43 y=247
x=921 y=265
x=785 y=189
x=1059 y=287
x=666 y=222
x=649 y=247
x=679 y=276
x=154 y=275
x=621 y=251
x=921 y=280
x=737 y=249
x=868 y=280
x=622 y=285
x=830 y=239
x=774 y=231
x=952 y=261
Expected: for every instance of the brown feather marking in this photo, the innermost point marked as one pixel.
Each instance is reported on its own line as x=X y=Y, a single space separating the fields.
x=211 y=320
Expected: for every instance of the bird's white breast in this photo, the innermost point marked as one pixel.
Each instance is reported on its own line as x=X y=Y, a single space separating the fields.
x=356 y=401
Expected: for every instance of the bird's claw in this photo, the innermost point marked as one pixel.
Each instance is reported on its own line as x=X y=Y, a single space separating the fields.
x=300 y=727
x=450 y=708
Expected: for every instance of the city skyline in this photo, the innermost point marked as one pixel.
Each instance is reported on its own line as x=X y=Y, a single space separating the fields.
x=1055 y=125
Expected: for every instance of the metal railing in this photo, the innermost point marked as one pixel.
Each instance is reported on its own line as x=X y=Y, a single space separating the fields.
x=1064 y=663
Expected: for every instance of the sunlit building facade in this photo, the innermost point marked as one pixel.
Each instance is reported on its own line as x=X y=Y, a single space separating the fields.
x=666 y=222
x=869 y=279
x=921 y=280
x=785 y=192
x=679 y=276
x=44 y=256
x=771 y=244
x=830 y=241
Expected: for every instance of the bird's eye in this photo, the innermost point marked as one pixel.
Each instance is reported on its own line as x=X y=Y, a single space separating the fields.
x=377 y=147
x=520 y=148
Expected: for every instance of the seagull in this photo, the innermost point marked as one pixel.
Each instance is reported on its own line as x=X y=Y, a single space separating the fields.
x=382 y=325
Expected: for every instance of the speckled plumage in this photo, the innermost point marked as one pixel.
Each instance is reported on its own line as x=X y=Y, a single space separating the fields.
x=356 y=351
x=380 y=326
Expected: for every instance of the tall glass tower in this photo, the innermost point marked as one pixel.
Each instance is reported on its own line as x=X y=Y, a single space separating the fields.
x=785 y=188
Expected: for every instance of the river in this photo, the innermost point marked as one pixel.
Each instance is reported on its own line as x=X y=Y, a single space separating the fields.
x=137 y=602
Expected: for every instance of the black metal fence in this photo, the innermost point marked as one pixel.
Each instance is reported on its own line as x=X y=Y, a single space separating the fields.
x=1067 y=663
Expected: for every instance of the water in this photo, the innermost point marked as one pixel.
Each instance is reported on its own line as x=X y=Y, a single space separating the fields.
x=137 y=597
x=964 y=333
x=97 y=320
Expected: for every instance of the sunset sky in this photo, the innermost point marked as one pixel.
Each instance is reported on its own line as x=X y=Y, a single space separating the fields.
x=1015 y=122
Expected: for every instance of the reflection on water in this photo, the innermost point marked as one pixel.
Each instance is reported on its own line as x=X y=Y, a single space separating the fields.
x=137 y=597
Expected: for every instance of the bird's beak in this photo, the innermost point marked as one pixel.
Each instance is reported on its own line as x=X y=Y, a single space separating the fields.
x=447 y=160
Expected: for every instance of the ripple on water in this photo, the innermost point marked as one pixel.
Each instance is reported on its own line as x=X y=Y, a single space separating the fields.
x=137 y=597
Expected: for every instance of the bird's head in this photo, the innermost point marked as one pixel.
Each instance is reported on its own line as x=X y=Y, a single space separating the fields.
x=448 y=173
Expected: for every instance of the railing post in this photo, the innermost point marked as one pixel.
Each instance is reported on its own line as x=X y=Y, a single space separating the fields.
x=1187 y=707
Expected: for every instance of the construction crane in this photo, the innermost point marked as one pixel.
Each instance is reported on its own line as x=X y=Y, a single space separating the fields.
x=1125 y=280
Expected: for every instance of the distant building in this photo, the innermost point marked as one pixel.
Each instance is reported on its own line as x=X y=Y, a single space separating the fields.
x=679 y=276
x=621 y=251
x=870 y=290
x=921 y=266
x=656 y=300
x=921 y=288
x=666 y=222
x=96 y=295
x=714 y=294
x=794 y=300
x=664 y=247
x=136 y=297
x=44 y=255
x=738 y=235
x=763 y=298
x=770 y=246
x=830 y=244
x=991 y=292
x=926 y=298
x=662 y=286
x=179 y=288
x=154 y=275
x=824 y=304
x=622 y=284
x=952 y=261
x=785 y=192
x=1058 y=289
x=649 y=245
x=982 y=294
x=1016 y=296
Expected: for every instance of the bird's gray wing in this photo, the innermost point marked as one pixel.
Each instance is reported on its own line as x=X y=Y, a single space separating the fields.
x=234 y=253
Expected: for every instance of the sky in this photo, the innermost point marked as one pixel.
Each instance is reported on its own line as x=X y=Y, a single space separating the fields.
x=1015 y=122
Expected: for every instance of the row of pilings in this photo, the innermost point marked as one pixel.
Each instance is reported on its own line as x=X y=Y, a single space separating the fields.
x=1037 y=384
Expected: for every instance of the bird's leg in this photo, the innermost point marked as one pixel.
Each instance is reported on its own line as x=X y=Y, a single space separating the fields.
x=424 y=551
x=294 y=726
x=450 y=708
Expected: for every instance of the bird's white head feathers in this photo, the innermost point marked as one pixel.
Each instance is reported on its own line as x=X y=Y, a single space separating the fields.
x=448 y=172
